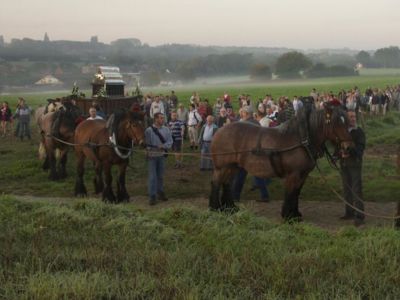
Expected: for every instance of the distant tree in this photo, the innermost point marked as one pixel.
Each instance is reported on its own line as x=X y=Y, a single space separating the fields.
x=340 y=70
x=186 y=71
x=388 y=57
x=94 y=39
x=364 y=58
x=318 y=70
x=290 y=64
x=321 y=70
x=260 y=71
x=125 y=44
x=150 y=78
x=46 y=38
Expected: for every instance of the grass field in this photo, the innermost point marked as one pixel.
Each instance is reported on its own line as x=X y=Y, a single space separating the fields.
x=85 y=249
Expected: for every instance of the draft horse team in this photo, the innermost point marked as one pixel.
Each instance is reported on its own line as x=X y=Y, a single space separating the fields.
x=288 y=151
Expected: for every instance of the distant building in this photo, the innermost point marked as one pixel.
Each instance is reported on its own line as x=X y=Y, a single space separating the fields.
x=48 y=80
x=1 y=41
x=359 y=66
x=46 y=38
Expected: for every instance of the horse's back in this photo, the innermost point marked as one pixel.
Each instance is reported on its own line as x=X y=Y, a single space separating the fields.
x=90 y=130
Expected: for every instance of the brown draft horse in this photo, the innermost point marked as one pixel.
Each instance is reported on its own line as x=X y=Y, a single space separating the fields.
x=288 y=151
x=57 y=123
x=107 y=144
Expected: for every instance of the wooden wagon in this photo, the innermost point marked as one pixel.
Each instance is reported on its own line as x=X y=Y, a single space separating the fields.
x=108 y=92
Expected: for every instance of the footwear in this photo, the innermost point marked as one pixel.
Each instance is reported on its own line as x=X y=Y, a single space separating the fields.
x=263 y=200
x=358 y=222
x=162 y=197
x=347 y=217
x=152 y=200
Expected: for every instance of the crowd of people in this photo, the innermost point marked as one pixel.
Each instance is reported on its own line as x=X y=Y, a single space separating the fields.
x=200 y=122
x=22 y=114
x=171 y=124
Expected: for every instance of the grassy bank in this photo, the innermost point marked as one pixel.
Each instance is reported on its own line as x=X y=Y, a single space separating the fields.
x=88 y=250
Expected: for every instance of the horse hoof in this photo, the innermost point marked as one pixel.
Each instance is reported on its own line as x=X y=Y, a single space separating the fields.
x=80 y=195
x=294 y=220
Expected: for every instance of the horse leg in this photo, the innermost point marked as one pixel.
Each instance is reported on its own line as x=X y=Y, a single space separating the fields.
x=290 y=208
x=213 y=200
x=228 y=205
x=98 y=179
x=122 y=194
x=46 y=164
x=108 y=194
x=62 y=170
x=222 y=177
x=397 y=223
x=52 y=164
x=80 y=189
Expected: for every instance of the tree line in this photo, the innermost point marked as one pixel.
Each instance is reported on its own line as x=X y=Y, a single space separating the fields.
x=23 y=61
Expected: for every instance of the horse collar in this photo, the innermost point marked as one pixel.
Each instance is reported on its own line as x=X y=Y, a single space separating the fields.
x=114 y=144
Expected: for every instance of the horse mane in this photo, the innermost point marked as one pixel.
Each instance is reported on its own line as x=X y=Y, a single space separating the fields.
x=67 y=116
x=312 y=120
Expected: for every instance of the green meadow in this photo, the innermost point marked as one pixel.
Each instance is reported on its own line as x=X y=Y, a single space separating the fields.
x=54 y=246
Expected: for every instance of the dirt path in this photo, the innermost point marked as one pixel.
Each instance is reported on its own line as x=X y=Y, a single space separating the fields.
x=323 y=214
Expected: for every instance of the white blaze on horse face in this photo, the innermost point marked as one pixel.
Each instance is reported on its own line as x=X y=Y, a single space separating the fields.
x=343 y=120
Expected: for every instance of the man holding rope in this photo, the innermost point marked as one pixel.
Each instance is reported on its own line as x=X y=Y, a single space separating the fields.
x=350 y=171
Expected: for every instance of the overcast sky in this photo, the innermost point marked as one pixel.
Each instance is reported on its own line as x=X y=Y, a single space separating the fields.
x=303 y=24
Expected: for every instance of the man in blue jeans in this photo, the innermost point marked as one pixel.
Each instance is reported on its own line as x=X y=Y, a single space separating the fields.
x=158 y=141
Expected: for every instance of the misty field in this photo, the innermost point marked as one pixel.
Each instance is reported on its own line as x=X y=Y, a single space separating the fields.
x=54 y=246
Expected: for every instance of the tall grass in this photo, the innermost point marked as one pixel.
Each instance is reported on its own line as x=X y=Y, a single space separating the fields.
x=89 y=250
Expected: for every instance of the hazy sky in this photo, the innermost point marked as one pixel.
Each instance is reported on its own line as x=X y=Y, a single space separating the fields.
x=358 y=24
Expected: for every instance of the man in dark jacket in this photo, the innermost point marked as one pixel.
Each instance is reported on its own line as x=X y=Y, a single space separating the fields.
x=351 y=167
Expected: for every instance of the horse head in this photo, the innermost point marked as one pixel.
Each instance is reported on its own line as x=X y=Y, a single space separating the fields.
x=336 y=126
x=135 y=127
x=129 y=122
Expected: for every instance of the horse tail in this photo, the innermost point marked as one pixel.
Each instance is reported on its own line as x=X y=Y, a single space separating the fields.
x=42 y=151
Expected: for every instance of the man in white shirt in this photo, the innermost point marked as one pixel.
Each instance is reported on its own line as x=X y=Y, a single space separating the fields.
x=194 y=122
x=297 y=104
x=156 y=107
x=93 y=114
x=206 y=134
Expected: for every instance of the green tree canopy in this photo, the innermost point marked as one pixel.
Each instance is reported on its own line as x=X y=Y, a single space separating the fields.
x=290 y=64
x=260 y=71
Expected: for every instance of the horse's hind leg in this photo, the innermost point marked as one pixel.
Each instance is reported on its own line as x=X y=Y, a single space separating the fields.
x=108 y=194
x=98 y=179
x=213 y=202
x=290 y=208
x=228 y=204
x=62 y=170
x=222 y=177
x=80 y=189
x=46 y=164
x=122 y=194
